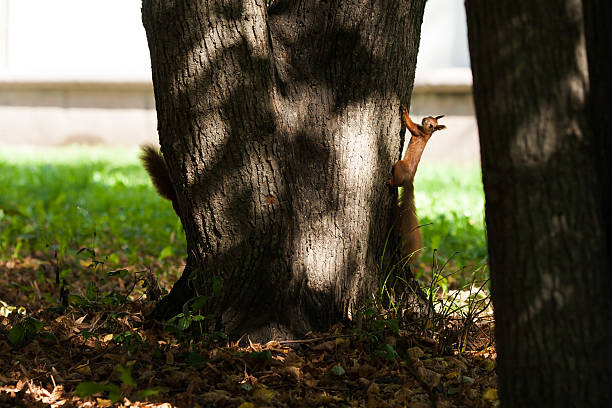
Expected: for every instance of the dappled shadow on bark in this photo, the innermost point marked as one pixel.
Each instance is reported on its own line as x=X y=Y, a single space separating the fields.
x=265 y=175
x=349 y=58
x=542 y=173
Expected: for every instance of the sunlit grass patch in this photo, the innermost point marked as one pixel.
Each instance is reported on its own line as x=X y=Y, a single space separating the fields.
x=450 y=206
x=72 y=197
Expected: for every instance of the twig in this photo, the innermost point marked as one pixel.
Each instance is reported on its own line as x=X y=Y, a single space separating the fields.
x=305 y=341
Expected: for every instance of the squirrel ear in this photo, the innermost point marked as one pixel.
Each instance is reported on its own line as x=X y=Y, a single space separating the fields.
x=439 y=117
x=440 y=127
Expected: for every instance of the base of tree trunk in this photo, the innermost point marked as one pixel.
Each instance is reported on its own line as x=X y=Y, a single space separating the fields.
x=291 y=318
x=172 y=304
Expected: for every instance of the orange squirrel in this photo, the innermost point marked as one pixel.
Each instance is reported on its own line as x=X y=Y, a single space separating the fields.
x=402 y=175
x=154 y=163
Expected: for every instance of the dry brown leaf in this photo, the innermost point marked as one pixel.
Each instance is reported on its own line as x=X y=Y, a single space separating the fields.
x=294 y=372
x=429 y=377
x=325 y=346
x=216 y=396
x=373 y=389
x=80 y=320
x=415 y=353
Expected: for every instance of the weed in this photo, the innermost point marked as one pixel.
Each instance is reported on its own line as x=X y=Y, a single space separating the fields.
x=451 y=314
x=444 y=315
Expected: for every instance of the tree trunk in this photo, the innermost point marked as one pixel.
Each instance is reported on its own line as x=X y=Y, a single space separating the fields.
x=280 y=125
x=550 y=271
x=599 y=49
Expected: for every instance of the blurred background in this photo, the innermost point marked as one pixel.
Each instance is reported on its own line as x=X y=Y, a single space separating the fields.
x=78 y=72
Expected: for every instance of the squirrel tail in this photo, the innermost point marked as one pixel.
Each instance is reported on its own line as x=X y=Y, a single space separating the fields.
x=410 y=230
x=155 y=164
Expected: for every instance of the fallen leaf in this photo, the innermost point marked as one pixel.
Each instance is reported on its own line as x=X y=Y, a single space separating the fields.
x=415 y=353
x=325 y=346
x=373 y=389
x=490 y=395
x=104 y=402
x=343 y=342
x=429 y=377
x=169 y=358
x=488 y=364
x=456 y=363
x=452 y=375
x=467 y=380
x=263 y=395
x=295 y=372
x=83 y=369
x=216 y=396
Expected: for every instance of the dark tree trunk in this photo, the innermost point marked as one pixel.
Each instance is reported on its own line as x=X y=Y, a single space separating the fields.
x=550 y=271
x=280 y=126
x=597 y=16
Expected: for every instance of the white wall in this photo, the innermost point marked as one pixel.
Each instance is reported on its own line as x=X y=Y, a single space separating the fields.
x=3 y=34
x=75 y=39
x=79 y=70
x=93 y=39
x=443 y=51
x=443 y=36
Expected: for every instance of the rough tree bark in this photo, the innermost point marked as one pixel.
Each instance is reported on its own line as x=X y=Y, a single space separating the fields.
x=280 y=125
x=550 y=271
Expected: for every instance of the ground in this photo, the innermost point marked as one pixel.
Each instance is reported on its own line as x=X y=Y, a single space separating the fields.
x=104 y=347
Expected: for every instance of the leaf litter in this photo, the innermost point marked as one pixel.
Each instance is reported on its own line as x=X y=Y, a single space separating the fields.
x=102 y=354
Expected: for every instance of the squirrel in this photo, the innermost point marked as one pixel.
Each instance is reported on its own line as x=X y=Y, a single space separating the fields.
x=402 y=175
x=154 y=163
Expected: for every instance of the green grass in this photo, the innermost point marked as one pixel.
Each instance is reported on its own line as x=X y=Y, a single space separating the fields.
x=74 y=197
x=450 y=205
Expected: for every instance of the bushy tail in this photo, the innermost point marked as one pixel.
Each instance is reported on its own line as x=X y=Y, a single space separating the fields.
x=155 y=164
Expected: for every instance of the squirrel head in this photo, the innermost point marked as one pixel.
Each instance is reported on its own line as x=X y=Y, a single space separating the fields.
x=430 y=124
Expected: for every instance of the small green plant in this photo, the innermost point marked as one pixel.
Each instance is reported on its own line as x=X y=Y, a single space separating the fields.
x=93 y=298
x=190 y=314
x=114 y=391
x=386 y=352
x=130 y=340
x=376 y=323
x=451 y=314
x=442 y=313
x=87 y=389
x=27 y=330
